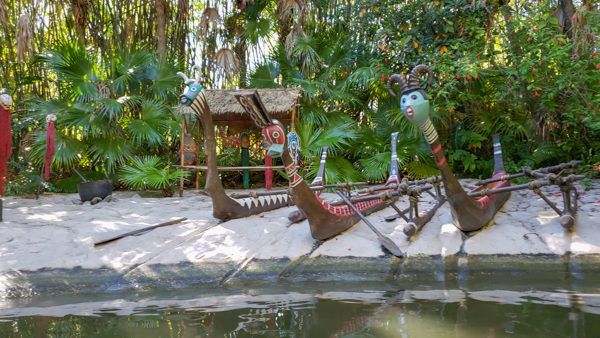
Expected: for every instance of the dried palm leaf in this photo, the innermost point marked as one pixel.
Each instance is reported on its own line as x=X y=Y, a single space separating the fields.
x=24 y=38
x=103 y=90
x=27 y=141
x=226 y=59
x=292 y=9
x=210 y=16
x=292 y=38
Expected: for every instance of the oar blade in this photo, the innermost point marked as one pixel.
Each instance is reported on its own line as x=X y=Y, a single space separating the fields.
x=383 y=240
x=390 y=246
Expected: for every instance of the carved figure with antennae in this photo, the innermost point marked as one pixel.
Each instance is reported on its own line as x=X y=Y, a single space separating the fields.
x=224 y=207
x=469 y=214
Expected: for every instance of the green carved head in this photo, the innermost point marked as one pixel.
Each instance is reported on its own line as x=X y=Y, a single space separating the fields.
x=413 y=101
x=415 y=106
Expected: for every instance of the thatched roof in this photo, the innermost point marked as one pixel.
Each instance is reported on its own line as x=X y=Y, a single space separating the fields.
x=226 y=110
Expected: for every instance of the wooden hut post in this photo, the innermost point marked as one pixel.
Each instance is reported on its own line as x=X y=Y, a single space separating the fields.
x=244 y=145
x=199 y=143
x=268 y=172
x=182 y=156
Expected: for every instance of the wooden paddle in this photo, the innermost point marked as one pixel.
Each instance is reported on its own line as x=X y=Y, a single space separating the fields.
x=139 y=231
x=383 y=240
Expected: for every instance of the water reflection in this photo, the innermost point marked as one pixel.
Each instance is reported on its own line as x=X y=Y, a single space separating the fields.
x=380 y=311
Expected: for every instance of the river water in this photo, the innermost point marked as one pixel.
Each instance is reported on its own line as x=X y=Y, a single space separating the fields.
x=532 y=304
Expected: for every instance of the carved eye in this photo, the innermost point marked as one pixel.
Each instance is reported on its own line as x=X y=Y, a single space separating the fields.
x=193 y=89
x=276 y=134
x=404 y=100
x=414 y=97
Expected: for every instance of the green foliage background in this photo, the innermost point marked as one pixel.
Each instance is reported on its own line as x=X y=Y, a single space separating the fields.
x=525 y=69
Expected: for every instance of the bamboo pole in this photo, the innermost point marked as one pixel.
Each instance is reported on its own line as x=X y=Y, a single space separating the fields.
x=526 y=172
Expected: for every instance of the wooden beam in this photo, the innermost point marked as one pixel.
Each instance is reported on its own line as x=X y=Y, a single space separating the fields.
x=240 y=168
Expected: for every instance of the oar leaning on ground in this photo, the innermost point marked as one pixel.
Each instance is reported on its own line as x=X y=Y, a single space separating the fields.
x=139 y=231
x=384 y=240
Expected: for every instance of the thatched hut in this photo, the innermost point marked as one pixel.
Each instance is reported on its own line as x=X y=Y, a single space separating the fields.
x=226 y=110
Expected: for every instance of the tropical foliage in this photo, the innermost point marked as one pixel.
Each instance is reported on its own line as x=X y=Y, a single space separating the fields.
x=525 y=69
x=149 y=172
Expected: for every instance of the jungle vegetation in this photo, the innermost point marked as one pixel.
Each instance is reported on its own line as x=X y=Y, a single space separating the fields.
x=526 y=69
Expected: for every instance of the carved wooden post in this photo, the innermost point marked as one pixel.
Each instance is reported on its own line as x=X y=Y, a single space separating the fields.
x=5 y=141
x=50 y=137
x=182 y=154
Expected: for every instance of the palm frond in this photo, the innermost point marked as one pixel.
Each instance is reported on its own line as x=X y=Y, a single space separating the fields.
x=150 y=172
x=71 y=63
x=338 y=134
x=110 y=108
x=130 y=70
x=305 y=52
x=548 y=152
x=68 y=150
x=110 y=152
x=377 y=166
x=421 y=169
x=210 y=17
x=149 y=128
x=340 y=169
x=164 y=81
x=264 y=76
x=361 y=78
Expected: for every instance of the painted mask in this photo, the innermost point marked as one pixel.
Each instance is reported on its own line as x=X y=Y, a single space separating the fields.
x=274 y=138
x=191 y=92
x=415 y=106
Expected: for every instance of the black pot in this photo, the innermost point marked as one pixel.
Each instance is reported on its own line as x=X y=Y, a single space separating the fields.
x=89 y=190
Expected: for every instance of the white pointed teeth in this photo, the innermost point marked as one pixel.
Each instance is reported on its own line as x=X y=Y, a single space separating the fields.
x=265 y=201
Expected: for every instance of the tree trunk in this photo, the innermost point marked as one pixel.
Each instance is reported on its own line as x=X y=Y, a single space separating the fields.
x=284 y=24
x=161 y=26
x=80 y=10
x=240 y=48
x=182 y=32
x=564 y=14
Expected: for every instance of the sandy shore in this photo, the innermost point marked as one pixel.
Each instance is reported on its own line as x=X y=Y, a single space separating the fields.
x=50 y=242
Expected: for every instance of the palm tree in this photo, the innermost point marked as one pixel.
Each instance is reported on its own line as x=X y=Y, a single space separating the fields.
x=107 y=112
